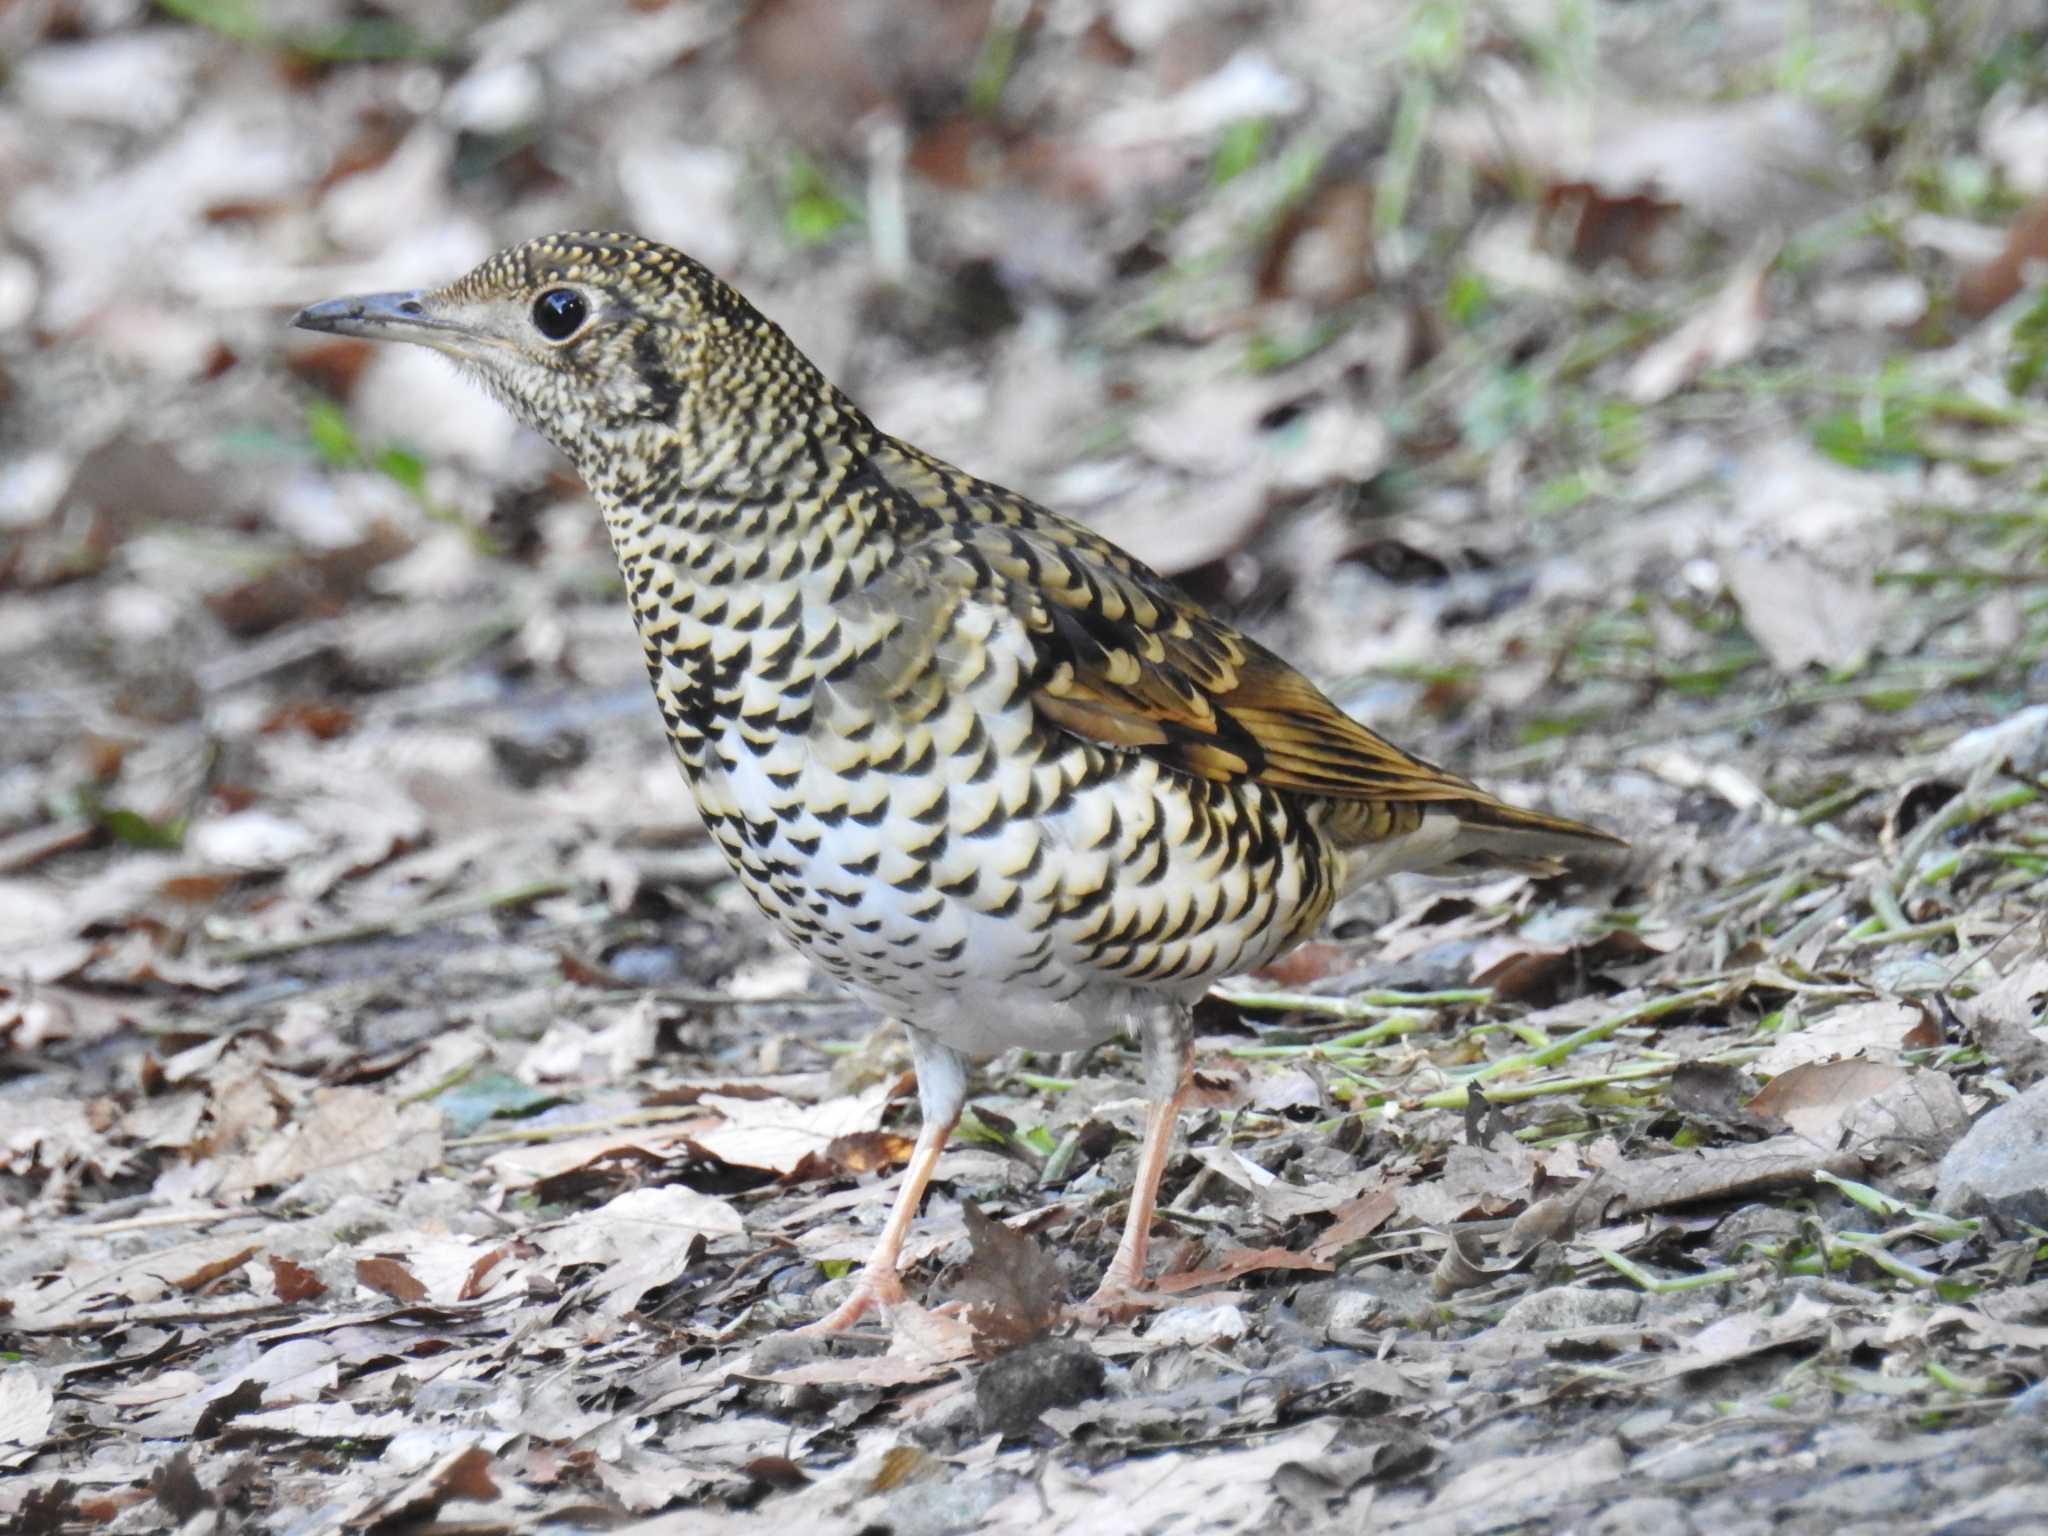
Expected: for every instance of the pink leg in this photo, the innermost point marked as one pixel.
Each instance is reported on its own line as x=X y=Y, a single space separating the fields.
x=942 y=1093
x=1169 y=1071
x=878 y=1285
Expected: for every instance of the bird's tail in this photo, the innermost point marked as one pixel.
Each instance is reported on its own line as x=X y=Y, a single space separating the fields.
x=1472 y=833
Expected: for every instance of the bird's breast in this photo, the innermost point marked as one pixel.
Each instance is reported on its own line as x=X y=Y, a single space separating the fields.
x=885 y=790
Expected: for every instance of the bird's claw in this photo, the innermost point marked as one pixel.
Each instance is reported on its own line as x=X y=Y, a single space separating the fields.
x=872 y=1292
x=1117 y=1300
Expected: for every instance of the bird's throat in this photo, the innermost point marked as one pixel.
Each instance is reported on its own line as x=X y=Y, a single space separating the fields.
x=735 y=553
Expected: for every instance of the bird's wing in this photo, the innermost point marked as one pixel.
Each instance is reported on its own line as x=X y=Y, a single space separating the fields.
x=1127 y=661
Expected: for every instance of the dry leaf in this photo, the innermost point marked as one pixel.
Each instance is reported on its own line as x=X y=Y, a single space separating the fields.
x=1656 y=1183
x=1815 y=1097
x=2007 y=1017
x=1238 y=1263
x=1802 y=610
x=1726 y=331
x=211 y=1271
x=1874 y=1031
x=390 y=1278
x=27 y=1413
x=1984 y=288
x=1523 y=1480
x=477 y=1281
x=644 y=1238
x=461 y=1474
x=467 y=1475
x=344 y=1141
x=1010 y=1286
x=1716 y=1095
x=868 y=1151
x=1739 y=167
x=781 y=1136
x=1912 y=1122
x=1356 y=1220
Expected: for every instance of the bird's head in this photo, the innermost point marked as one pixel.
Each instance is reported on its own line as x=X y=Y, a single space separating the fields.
x=604 y=343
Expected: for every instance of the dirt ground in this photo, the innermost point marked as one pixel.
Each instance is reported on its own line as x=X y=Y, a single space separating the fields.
x=406 y=1125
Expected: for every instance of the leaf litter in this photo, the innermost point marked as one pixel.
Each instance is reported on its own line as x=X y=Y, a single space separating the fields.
x=403 y=1116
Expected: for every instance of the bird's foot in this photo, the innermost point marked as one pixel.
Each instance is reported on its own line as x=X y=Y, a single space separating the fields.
x=874 y=1291
x=1117 y=1300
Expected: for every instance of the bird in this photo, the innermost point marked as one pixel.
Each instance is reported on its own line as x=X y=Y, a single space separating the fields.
x=997 y=777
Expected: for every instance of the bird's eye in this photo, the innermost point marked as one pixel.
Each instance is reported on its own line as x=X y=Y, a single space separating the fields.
x=559 y=313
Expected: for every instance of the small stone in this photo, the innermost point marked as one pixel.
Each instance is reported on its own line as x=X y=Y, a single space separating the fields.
x=1642 y=1427
x=2001 y=1165
x=1349 y=1310
x=1572 y=1307
x=1014 y=1389
x=1198 y=1325
x=779 y=1351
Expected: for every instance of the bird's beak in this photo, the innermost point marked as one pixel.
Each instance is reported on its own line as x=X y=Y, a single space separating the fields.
x=390 y=317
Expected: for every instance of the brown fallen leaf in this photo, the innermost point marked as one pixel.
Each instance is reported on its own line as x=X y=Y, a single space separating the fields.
x=295 y=1282
x=1238 y=1263
x=390 y=1278
x=1814 y=1097
x=776 y=1472
x=638 y=1147
x=103 y=1508
x=243 y=1398
x=1591 y=226
x=1983 y=289
x=1737 y=167
x=462 y=1474
x=474 y=1283
x=1305 y=963
x=1010 y=1286
x=1716 y=1096
x=331 y=365
x=321 y=719
x=467 y=1475
x=825 y=64
x=1356 y=1221
x=868 y=1151
x=784 y=1137
x=1538 y=975
x=304 y=585
x=1321 y=249
x=207 y=1273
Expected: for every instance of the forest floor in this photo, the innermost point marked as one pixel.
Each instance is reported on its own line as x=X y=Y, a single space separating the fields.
x=405 y=1124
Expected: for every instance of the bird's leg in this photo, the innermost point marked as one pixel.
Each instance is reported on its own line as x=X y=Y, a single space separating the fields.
x=941 y=1094
x=1169 y=1049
